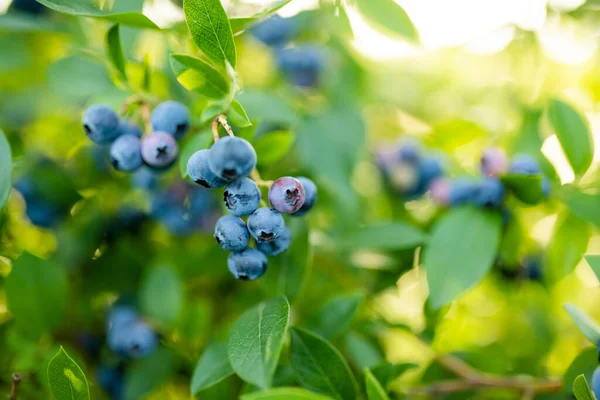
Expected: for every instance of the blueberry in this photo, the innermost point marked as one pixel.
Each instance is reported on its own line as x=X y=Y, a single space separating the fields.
x=159 y=150
x=409 y=151
x=302 y=65
x=266 y=224
x=231 y=158
x=171 y=117
x=429 y=168
x=42 y=213
x=287 y=195
x=137 y=339
x=247 y=265
x=546 y=187
x=26 y=187
x=463 y=191
x=111 y=380
x=440 y=191
x=310 y=196
x=490 y=193
x=126 y=153
x=144 y=178
x=274 y=31
x=242 y=197
x=177 y=220
x=129 y=128
x=101 y=124
x=231 y=233
x=120 y=316
x=595 y=382
x=199 y=172
x=532 y=265
x=524 y=164
x=493 y=162
x=278 y=246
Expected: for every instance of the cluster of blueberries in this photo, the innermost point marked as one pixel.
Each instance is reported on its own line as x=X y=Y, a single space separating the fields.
x=128 y=150
x=412 y=173
x=228 y=163
x=301 y=64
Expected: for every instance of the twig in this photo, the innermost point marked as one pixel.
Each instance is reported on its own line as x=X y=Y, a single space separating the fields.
x=215 y=129
x=16 y=380
x=223 y=122
x=255 y=175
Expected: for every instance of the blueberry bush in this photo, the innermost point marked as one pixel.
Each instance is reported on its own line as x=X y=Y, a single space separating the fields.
x=230 y=200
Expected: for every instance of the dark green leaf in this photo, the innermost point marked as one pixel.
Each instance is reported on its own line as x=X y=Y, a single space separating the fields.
x=238 y=25
x=162 y=295
x=594 y=263
x=387 y=372
x=37 y=294
x=210 y=30
x=147 y=76
x=527 y=188
x=361 y=351
x=195 y=74
x=148 y=373
x=67 y=381
x=5 y=170
x=573 y=134
x=212 y=368
x=273 y=146
x=393 y=235
x=85 y=8
x=256 y=339
x=567 y=247
x=374 y=389
x=461 y=251
x=201 y=141
x=115 y=50
x=589 y=327
x=284 y=393
x=336 y=315
x=390 y=17
x=581 y=389
x=584 y=205
x=237 y=115
x=320 y=367
x=289 y=271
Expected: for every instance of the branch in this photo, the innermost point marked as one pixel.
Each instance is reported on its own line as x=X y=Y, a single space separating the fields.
x=16 y=380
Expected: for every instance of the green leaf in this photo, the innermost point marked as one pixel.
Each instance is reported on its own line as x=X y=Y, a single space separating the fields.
x=147 y=75
x=237 y=115
x=23 y=22
x=268 y=107
x=196 y=75
x=115 y=50
x=320 y=367
x=362 y=352
x=581 y=389
x=461 y=251
x=584 y=205
x=212 y=110
x=567 y=246
x=210 y=29
x=392 y=235
x=85 y=8
x=390 y=17
x=589 y=327
x=273 y=146
x=162 y=295
x=5 y=170
x=148 y=373
x=594 y=263
x=573 y=134
x=527 y=188
x=284 y=393
x=585 y=363
x=212 y=367
x=37 y=294
x=238 y=25
x=374 y=389
x=289 y=271
x=256 y=339
x=335 y=316
x=387 y=372
x=67 y=381
x=199 y=142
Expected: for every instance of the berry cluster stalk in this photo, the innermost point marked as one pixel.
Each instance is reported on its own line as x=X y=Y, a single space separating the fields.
x=16 y=380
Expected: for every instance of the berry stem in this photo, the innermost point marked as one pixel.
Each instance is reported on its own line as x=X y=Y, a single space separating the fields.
x=223 y=122
x=16 y=380
x=255 y=175
x=215 y=130
x=145 y=110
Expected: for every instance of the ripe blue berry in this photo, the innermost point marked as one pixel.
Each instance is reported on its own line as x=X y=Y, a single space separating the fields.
x=242 y=197
x=199 y=172
x=137 y=339
x=429 y=168
x=144 y=178
x=409 y=151
x=42 y=213
x=101 y=124
x=128 y=128
x=266 y=224
x=126 y=153
x=278 y=246
x=287 y=195
x=310 y=196
x=171 y=117
x=524 y=164
x=159 y=150
x=463 y=191
x=302 y=65
x=176 y=220
x=490 y=193
x=231 y=158
x=493 y=162
x=247 y=265
x=274 y=31
x=231 y=233
x=595 y=382
x=120 y=316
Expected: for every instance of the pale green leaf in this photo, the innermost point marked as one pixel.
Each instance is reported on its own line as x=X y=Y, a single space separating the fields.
x=374 y=389
x=390 y=17
x=66 y=379
x=212 y=367
x=582 y=390
x=284 y=393
x=5 y=170
x=195 y=74
x=589 y=327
